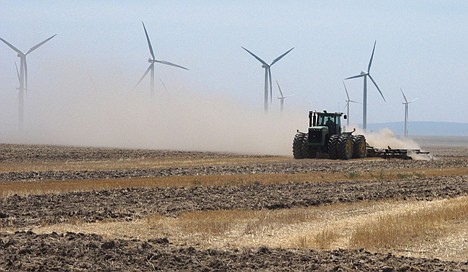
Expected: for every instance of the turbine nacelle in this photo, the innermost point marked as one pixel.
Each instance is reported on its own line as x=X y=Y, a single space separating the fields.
x=406 y=100
x=268 y=84
x=153 y=60
x=366 y=75
x=406 y=103
x=23 y=75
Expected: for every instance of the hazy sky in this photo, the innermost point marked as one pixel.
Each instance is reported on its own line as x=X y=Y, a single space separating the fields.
x=100 y=46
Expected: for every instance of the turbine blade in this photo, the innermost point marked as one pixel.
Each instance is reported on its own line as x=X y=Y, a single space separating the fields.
x=164 y=85
x=146 y=72
x=413 y=100
x=271 y=87
x=352 y=101
x=373 y=81
x=255 y=56
x=169 y=63
x=12 y=47
x=39 y=44
x=17 y=72
x=280 y=57
x=346 y=90
x=149 y=42
x=404 y=96
x=279 y=88
x=371 y=58
x=25 y=73
x=351 y=77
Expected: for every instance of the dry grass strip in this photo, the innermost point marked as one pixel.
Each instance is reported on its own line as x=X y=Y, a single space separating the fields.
x=389 y=231
x=53 y=186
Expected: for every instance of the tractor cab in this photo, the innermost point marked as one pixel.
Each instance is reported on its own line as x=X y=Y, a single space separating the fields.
x=324 y=119
x=322 y=125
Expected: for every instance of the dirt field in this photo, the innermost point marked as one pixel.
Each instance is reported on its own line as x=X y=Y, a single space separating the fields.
x=69 y=208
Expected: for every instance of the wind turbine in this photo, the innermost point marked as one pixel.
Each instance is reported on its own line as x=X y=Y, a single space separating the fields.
x=267 y=67
x=23 y=76
x=406 y=111
x=282 y=97
x=364 y=75
x=153 y=60
x=347 y=103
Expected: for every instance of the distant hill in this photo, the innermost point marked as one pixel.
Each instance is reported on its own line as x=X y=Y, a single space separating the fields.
x=419 y=128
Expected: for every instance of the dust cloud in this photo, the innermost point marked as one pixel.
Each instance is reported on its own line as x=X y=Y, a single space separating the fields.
x=385 y=138
x=77 y=110
x=179 y=121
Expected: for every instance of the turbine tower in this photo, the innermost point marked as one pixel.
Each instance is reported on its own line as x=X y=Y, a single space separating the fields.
x=23 y=76
x=406 y=110
x=347 y=104
x=267 y=67
x=365 y=75
x=282 y=97
x=153 y=60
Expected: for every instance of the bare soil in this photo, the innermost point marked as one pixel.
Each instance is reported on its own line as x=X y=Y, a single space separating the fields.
x=24 y=250
x=27 y=251
x=131 y=203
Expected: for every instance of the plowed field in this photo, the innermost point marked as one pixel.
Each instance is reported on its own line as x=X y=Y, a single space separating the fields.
x=71 y=208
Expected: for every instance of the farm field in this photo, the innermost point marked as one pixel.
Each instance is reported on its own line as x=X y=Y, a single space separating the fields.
x=76 y=208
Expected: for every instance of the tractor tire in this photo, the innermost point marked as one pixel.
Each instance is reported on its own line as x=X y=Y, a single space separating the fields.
x=359 y=146
x=333 y=147
x=307 y=152
x=345 y=147
x=297 y=145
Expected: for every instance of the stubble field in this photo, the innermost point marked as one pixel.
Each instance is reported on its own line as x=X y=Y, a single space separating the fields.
x=70 y=208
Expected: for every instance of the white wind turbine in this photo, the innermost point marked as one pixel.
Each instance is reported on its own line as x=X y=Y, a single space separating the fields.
x=153 y=60
x=347 y=104
x=282 y=97
x=23 y=76
x=364 y=75
x=406 y=111
x=267 y=67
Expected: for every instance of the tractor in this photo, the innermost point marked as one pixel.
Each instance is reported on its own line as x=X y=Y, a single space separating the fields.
x=325 y=136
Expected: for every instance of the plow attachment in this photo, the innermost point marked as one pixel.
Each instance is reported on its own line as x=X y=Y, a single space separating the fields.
x=398 y=153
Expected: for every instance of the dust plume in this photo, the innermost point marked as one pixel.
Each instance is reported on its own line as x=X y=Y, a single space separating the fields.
x=385 y=138
x=179 y=121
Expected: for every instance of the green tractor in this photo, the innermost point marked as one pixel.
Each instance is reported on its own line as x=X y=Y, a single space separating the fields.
x=325 y=136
